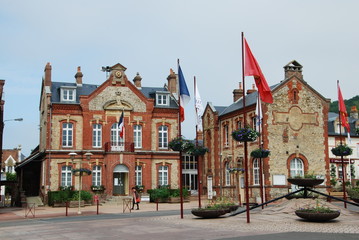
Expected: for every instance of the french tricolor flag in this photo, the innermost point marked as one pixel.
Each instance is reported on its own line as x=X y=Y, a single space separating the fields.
x=184 y=93
x=121 y=125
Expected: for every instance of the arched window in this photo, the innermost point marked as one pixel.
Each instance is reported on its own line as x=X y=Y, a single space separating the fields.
x=163 y=136
x=137 y=136
x=256 y=172
x=96 y=175
x=163 y=175
x=138 y=175
x=296 y=167
x=66 y=176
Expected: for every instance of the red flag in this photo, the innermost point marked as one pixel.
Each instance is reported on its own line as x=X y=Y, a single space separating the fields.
x=252 y=68
x=342 y=110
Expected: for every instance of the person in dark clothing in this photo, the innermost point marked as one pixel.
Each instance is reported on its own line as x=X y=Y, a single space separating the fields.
x=135 y=198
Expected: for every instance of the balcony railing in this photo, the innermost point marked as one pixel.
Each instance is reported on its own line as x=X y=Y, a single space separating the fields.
x=119 y=147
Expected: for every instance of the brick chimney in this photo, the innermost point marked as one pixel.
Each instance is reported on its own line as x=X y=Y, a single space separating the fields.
x=172 y=82
x=249 y=91
x=48 y=74
x=238 y=93
x=137 y=81
x=293 y=68
x=78 y=77
x=354 y=112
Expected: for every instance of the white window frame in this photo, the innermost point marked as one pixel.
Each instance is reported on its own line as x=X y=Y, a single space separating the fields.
x=117 y=142
x=96 y=135
x=296 y=167
x=227 y=175
x=162 y=99
x=66 y=176
x=226 y=135
x=163 y=137
x=96 y=175
x=68 y=94
x=255 y=172
x=137 y=136
x=138 y=175
x=67 y=134
x=163 y=175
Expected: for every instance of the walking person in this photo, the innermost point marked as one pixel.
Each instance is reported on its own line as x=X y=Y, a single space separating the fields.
x=135 y=199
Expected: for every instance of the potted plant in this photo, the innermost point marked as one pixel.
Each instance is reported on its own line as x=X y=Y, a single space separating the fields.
x=317 y=213
x=236 y=170
x=260 y=153
x=342 y=150
x=180 y=144
x=308 y=180
x=81 y=171
x=98 y=188
x=246 y=134
x=197 y=150
x=353 y=193
x=357 y=130
x=215 y=208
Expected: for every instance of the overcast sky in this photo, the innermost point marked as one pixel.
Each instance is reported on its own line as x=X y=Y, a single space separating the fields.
x=149 y=36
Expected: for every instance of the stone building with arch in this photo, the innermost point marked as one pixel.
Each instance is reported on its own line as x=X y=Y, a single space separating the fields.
x=81 y=118
x=294 y=128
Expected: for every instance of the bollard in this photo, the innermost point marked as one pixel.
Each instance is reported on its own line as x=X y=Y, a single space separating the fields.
x=98 y=204
x=156 y=204
x=67 y=209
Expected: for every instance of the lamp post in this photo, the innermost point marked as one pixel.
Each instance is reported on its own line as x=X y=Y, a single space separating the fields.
x=80 y=161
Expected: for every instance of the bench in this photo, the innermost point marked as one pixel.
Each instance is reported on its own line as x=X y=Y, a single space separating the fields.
x=336 y=194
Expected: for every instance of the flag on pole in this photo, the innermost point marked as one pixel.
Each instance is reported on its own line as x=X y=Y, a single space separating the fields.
x=198 y=106
x=259 y=115
x=121 y=125
x=184 y=93
x=343 y=112
x=252 y=69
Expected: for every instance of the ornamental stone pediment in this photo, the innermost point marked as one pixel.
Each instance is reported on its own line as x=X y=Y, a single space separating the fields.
x=117 y=105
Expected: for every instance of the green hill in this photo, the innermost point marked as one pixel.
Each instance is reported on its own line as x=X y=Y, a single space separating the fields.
x=354 y=101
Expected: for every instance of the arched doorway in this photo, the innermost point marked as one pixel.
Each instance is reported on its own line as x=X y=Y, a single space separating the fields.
x=120 y=180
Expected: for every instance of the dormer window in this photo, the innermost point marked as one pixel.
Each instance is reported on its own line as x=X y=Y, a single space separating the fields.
x=162 y=99
x=68 y=94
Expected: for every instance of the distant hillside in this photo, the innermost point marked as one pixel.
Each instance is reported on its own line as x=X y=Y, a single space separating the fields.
x=354 y=101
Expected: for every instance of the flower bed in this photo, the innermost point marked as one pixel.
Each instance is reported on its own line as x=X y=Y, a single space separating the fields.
x=317 y=216
x=305 y=182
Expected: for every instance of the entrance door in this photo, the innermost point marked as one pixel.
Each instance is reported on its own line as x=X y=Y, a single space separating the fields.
x=118 y=183
x=120 y=180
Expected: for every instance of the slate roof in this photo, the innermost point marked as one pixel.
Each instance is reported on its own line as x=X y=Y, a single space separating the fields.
x=332 y=116
x=87 y=89
x=251 y=99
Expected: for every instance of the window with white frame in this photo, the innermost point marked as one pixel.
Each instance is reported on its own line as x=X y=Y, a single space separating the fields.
x=340 y=172
x=162 y=99
x=138 y=175
x=96 y=135
x=66 y=176
x=163 y=137
x=96 y=175
x=68 y=94
x=296 y=167
x=239 y=124
x=163 y=175
x=255 y=172
x=226 y=136
x=227 y=175
x=254 y=123
x=116 y=139
x=67 y=134
x=137 y=136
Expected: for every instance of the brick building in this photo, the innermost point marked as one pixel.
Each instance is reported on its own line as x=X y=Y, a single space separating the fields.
x=294 y=128
x=81 y=118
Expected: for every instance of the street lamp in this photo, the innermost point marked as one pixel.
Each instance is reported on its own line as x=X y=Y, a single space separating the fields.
x=80 y=161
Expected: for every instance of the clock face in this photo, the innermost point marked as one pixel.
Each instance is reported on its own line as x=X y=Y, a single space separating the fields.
x=118 y=74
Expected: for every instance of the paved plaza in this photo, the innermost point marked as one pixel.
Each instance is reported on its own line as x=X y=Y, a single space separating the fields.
x=276 y=221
